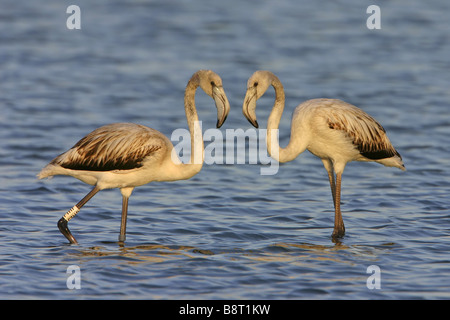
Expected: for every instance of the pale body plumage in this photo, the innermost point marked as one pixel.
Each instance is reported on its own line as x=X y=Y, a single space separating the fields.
x=333 y=130
x=145 y=147
x=128 y=155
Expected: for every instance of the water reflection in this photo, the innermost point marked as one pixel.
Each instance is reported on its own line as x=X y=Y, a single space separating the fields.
x=277 y=252
x=139 y=253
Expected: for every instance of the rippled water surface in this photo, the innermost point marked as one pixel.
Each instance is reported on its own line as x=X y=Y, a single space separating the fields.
x=229 y=232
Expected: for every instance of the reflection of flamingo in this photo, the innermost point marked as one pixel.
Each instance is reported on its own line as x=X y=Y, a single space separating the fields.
x=333 y=130
x=127 y=155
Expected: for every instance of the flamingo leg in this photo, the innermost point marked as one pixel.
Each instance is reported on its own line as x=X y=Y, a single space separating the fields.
x=339 y=229
x=123 y=223
x=332 y=186
x=62 y=223
x=126 y=193
x=330 y=170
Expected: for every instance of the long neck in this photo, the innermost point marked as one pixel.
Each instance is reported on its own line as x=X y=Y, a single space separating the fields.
x=291 y=151
x=195 y=129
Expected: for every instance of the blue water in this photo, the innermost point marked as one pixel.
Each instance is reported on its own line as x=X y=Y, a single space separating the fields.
x=229 y=232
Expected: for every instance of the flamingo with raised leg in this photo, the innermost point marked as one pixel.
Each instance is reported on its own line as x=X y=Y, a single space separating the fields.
x=128 y=155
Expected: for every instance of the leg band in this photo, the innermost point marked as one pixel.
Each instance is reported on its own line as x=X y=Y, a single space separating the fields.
x=71 y=213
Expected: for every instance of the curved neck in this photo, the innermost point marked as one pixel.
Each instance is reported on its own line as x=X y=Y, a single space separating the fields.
x=195 y=129
x=275 y=151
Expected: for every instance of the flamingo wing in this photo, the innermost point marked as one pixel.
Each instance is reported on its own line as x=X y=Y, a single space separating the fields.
x=112 y=147
x=367 y=134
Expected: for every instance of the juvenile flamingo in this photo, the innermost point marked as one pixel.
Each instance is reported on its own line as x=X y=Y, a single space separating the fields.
x=127 y=155
x=333 y=130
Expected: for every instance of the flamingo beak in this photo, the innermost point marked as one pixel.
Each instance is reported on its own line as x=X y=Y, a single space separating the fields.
x=222 y=105
x=249 y=106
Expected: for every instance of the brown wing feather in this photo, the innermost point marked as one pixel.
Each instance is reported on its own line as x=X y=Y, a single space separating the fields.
x=365 y=132
x=111 y=147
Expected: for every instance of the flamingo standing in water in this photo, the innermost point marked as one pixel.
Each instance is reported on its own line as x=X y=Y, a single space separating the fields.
x=333 y=130
x=127 y=155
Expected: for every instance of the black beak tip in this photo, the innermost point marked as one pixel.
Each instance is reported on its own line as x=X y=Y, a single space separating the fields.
x=220 y=123
x=254 y=123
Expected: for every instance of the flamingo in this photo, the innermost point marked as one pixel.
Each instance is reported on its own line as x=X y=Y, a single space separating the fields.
x=128 y=155
x=333 y=130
